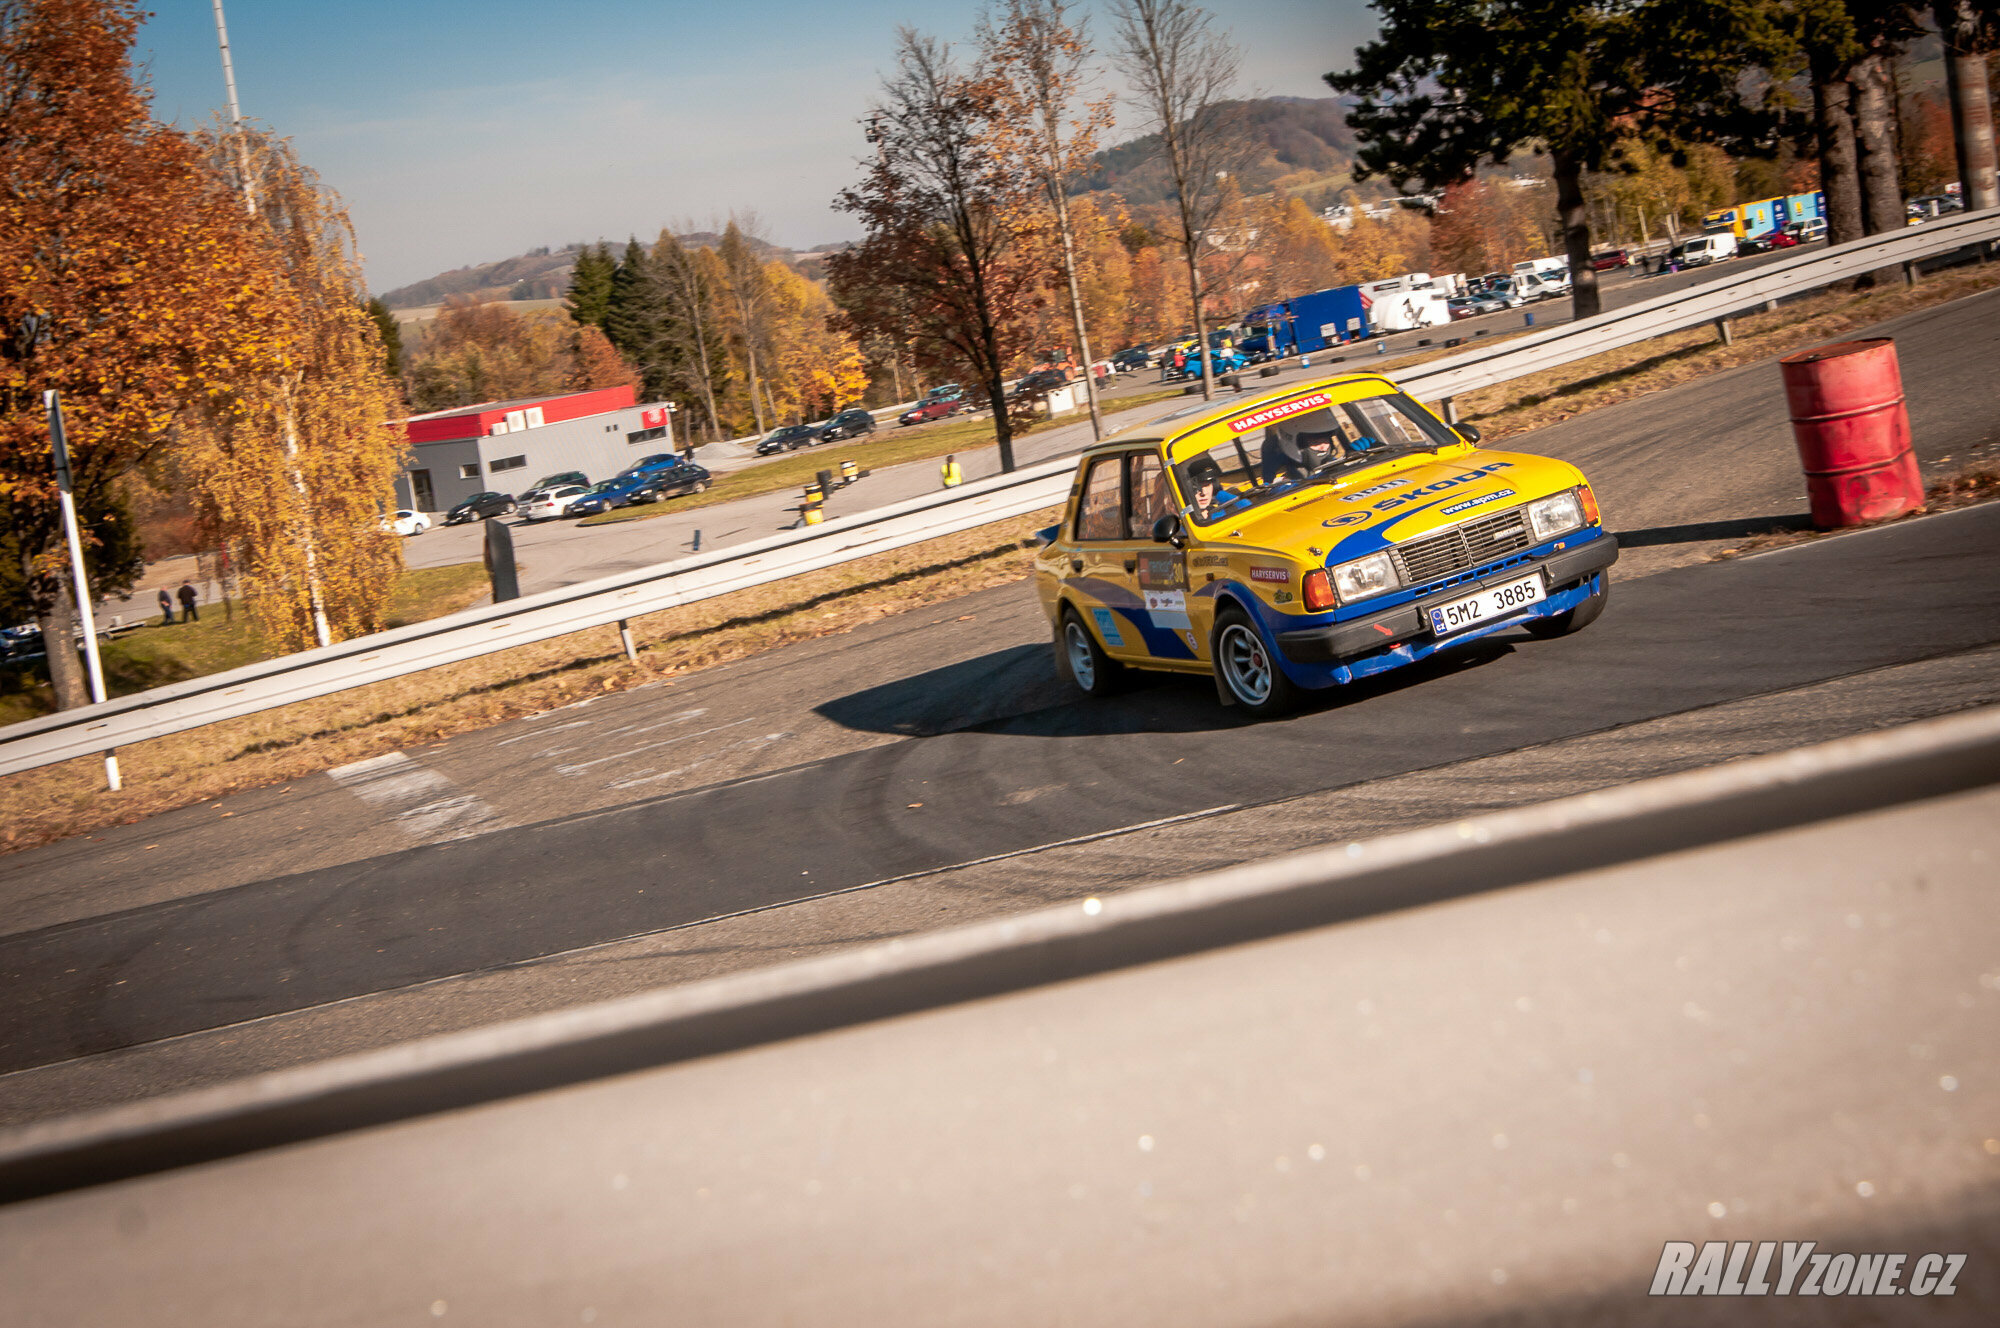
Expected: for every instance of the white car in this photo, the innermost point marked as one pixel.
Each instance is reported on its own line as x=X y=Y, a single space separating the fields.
x=406 y=522
x=551 y=503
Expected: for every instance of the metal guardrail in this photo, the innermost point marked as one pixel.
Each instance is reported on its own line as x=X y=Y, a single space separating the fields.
x=97 y=728
x=1340 y=883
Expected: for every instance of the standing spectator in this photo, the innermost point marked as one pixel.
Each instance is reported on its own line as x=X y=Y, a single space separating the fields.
x=188 y=598
x=950 y=473
x=166 y=608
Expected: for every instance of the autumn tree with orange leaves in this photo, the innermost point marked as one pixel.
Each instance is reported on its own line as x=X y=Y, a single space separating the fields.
x=953 y=258
x=294 y=467
x=131 y=286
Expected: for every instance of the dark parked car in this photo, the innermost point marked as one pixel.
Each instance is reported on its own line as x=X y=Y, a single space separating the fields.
x=480 y=506
x=852 y=423
x=1132 y=359
x=936 y=409
x=575 y=477
x=787 y=439
x=1041 y=380
x=671 y=482
x=1610 y=259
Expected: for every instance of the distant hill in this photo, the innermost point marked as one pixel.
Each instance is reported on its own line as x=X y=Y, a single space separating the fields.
x=1306 y=141
x=539 y=274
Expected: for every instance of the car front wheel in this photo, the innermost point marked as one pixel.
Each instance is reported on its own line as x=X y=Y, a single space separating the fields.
x=1576 y=619
x=1244 y=665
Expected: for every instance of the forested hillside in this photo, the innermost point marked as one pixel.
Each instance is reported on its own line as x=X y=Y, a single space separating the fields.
x=1306 y=141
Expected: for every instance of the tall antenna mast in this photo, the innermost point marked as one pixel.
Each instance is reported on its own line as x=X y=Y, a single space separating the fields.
x=235 y=111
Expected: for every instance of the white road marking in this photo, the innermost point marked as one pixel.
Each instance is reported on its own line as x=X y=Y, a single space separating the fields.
x=425 y=805
x=682 y=718
x=582 y=766
x=553 y=728
x=654 y=777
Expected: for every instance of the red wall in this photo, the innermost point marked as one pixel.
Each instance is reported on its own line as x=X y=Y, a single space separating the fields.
x=476 y=422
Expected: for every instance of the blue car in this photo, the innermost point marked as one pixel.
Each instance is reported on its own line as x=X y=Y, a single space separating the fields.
x=617 y=491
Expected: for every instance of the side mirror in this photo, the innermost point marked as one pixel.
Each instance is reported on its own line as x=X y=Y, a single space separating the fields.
x=1167 y=530
x=1469 y=432
x=1047 y=535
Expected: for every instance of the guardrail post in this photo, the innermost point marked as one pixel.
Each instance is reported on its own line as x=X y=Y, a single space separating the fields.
x=625 y=639
x=1722 y=330
x=500 y=568
x=1910 y=273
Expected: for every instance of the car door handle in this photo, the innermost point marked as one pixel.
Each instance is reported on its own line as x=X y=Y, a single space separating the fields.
x=1076 y=564
x=1131 y=564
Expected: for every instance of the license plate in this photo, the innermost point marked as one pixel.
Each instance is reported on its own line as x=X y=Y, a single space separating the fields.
x=1489 y=604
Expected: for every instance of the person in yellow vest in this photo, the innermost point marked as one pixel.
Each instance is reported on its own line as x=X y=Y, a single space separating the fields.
x=953 y=476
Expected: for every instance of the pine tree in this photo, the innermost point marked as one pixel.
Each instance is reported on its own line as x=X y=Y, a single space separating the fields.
x=392 y=337
x=590 y=281
x=638 y=322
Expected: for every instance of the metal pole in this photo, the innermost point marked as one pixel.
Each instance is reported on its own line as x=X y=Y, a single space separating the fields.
x=52 y=401
x=235 y=111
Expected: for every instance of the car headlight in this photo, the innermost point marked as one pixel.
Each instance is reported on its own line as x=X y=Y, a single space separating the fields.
x=1364 y=577
x=1554 y=515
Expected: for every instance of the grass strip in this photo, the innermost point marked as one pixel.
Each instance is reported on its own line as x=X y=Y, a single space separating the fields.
x=892 y=446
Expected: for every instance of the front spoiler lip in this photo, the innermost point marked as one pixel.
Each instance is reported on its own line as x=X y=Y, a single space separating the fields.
x=1365 y=636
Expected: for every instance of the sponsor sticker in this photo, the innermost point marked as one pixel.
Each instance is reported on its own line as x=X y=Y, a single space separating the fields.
x=1470 y=477
x=1372 y=490
x=1271 y=574
x=1107 y=627
x=1257 y=419
x=1168 y=609
x=1162 y=570
x=1798 y=1268
x=1480 y=501
x=1211 y=560
x=1282 y=597
x=1346 y=519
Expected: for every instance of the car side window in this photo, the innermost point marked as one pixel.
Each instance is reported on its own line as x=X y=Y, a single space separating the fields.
x=1101 y=514
x=1151 y=498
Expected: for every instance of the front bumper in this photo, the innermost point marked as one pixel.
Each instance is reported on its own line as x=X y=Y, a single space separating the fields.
x=1364 y=636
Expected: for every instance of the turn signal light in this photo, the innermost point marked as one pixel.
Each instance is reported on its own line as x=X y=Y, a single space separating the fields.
x=1318 y=589
x=1590 y=514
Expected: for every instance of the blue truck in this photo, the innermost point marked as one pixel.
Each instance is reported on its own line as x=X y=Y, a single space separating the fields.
x=1306 y=323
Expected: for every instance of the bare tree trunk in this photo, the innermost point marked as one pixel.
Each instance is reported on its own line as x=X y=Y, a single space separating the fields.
x=1875 y=146
x=322 y=632
x=1839 y=172
x=1076 y=308
x=1200 y=328
x=1971 y=104
x=59 y=642
x=750 y=358
x=1575 y=218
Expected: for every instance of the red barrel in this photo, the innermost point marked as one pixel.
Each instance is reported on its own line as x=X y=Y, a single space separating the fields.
x=1853 y=432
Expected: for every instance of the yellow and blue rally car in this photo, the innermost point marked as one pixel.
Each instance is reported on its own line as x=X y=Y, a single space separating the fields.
x=1307 y=537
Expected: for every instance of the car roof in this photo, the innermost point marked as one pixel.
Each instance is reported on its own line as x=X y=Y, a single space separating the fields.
x=1188 y=419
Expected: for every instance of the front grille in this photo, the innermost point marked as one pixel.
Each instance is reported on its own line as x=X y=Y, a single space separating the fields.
x=1453 y=552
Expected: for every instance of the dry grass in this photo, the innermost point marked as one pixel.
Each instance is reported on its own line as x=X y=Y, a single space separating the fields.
x=43 y=805
x=58 y=801
x=1967 y=488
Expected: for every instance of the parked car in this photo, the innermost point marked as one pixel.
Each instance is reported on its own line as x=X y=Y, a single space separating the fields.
x=1368 y=536
x=1227 y=360
x=787 y=438
x=1701 y=250
x=552 y=503
x=1471 y=306
x=547 y=482
x=479 y=507
x=850 y=423
x=1132 y=359
x=614 y=492
x=671 y=483
x=1610 y=260
x=22 y=642
x=1038 y=382
x=943 y=392
x=1507 y=291
x=1766 y=242
x=936 y=409
x=406 y=522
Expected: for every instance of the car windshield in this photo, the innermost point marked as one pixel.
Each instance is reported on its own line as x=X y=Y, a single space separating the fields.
x=1279 y=448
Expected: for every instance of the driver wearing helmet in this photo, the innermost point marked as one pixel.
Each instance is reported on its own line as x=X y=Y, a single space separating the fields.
x=1210 y=499
x=1293 y=452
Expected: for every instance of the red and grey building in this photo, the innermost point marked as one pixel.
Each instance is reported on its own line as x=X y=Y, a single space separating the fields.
x=506 y=446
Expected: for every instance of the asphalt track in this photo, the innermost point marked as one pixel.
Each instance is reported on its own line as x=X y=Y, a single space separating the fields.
x=1670 y=643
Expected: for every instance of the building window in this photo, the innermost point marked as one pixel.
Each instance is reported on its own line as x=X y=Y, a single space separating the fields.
x=506 y=463
x=469 y=471
x=646 y=435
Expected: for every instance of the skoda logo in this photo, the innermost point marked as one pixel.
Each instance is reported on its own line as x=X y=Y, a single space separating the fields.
x=1347 y=519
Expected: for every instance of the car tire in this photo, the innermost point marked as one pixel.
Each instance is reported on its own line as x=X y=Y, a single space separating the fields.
x=1081 y=661
x=1245 y=668
x=700 y=486
x=1576 y=619
x=510 y=509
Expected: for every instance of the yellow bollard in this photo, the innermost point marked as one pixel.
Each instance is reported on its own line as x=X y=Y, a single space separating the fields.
x=848 y=471
x=811 y=508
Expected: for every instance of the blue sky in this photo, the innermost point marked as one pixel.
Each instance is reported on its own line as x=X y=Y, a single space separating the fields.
x=462 y=132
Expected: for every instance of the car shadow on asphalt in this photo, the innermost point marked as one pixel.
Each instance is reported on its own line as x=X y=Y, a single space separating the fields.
x=1697 y=532
x=1016 y=692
